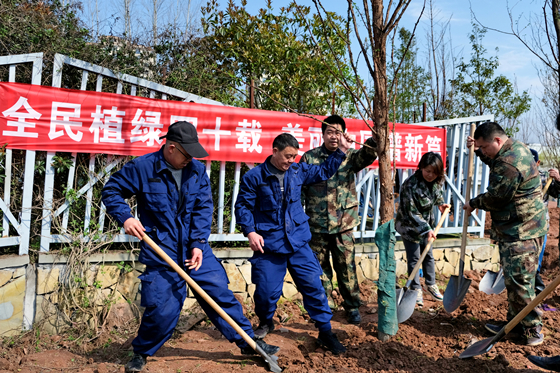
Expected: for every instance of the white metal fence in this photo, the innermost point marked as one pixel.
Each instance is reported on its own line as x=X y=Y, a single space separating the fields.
x=99 y=167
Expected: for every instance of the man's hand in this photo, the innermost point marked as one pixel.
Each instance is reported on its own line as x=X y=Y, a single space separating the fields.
x=344 y=141
x=468 y=208
x=553 y=173
x=196 y=259
x=133 y=227
x=256 y=241
x=431 y=235
x=443 y=207
x=470 y=142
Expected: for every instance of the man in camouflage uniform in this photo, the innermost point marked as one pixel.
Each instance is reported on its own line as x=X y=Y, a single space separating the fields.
x=514 y=199
x=554 y=191
x=333 y=212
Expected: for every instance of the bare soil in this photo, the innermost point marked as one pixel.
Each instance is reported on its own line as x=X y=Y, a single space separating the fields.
x=430 y=341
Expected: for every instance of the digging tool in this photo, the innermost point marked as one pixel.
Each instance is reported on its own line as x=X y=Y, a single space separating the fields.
x=486 y=345
x=406 y=298
x=492 y=282
x=458 y=285
x=270 y=360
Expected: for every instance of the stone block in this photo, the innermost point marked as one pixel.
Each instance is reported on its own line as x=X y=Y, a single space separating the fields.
x=11 y=307
x=483 y=253
x=447 y=269
x=398 y=254
x=241 y=297
x=91 y=273
x=5 y=276
x=369 y=270
x=189 y=303
x=128 y=285
x=452 y=256
x=245 y=270
x=360 y=273
x=190 y=292
x=237 y=283
x=495 y=255
x=140 y=267
x=18 y=272
x=288 y=277
x=478 y=266
x=289 y=290
x=401 y=268
x=251 y=290
x=47 y=314
x=107 y=275
x=47 y=280
x=438 y=254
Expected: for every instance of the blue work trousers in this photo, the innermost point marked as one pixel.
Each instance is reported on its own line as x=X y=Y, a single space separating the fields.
x=268 y=271
x=163 y=295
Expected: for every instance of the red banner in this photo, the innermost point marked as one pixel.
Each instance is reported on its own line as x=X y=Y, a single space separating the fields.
x=53 y=119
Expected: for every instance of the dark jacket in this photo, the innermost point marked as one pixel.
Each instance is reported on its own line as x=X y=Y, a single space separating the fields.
x=261 y=208
x=174 y=228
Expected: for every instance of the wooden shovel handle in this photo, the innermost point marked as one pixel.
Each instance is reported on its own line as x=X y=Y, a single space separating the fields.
x=427 y=248
x=547 y=185
x=534 y=303
x=467 y=198
x=200 y=291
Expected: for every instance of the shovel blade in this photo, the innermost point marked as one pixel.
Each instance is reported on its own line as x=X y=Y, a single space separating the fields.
x=272 y=361
x=478 y=348
x=406 y=302
x=492 y=283
x=455 y=292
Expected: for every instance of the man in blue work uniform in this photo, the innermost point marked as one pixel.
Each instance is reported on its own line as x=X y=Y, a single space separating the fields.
x=270 y=213
x=175 y=209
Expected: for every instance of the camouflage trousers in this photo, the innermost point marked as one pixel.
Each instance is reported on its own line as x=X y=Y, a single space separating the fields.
x=341 y=247
x=519 y=261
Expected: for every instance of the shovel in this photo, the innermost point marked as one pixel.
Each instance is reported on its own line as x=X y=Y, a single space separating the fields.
x=486 y=345
x=492 y=282
x=270 y=360
x=458 y=285
x=406 y=298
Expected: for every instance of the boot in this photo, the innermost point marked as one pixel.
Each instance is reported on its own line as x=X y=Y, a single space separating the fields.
x=137 y=363
x=354 y=316
x=550 y=363
x=263 y=329
x=268 y=349
x=330 y=341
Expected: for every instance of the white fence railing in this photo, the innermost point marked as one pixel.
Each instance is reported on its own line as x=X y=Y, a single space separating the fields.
x=100 y=166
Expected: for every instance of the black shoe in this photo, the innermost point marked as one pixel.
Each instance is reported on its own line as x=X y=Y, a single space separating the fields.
x=330 y=341
x=263 y=330
x=533 y=336
x=268 y=349
x=136 y=364
x=550 y=363
x=354 y=316
x=496 y=328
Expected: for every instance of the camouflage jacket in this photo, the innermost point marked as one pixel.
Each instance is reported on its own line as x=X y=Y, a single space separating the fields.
x=514 y=195
x=332 y=205
x=415 y=214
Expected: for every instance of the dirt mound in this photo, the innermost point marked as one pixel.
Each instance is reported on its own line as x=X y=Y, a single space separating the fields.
x=430 y=341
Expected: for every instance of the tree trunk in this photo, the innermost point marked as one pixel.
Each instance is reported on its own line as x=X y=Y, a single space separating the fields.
x=556 y=18
x=380 y=112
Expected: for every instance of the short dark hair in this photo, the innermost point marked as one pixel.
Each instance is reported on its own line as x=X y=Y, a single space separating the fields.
x=434 y=160
x=284 y=140
x=333 y=119
x=487 y=131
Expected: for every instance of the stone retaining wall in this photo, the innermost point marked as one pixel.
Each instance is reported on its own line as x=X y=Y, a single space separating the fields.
x=27 y=292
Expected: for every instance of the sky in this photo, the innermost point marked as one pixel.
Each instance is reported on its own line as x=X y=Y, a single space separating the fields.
x=516 y=62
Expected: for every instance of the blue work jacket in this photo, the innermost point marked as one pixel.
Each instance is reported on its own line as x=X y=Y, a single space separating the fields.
x=174 y=228
x=280 y=220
